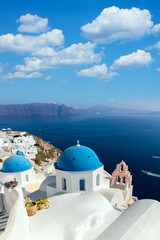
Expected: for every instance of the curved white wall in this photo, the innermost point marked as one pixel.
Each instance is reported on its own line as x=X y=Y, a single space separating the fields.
x=18 y=223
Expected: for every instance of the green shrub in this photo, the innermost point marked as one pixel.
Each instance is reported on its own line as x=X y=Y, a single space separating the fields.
x=41 y=157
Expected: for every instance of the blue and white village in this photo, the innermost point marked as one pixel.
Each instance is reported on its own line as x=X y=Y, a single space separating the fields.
x=72 y=198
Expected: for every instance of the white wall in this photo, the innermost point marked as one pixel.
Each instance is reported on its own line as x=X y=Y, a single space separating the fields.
x=117 y=200
x=1 y=142
x=128 y=194
x=21 y=176
x=94 y=177
x=62 y=174
x=27 y=176
x=73 y=180
x=18 y=223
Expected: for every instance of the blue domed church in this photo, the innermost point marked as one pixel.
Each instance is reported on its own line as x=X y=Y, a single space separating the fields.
x=19 y=167
x=79 y=169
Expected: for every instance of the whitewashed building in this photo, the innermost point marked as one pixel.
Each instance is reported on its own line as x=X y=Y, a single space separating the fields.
x=12 y=142
x=20 y=168
x=26 y=145
x=79 y=170
x=87 y=210
x=4 y=140
x=24 y=141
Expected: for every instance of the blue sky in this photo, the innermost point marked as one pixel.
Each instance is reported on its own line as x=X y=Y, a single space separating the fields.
x=81 y=52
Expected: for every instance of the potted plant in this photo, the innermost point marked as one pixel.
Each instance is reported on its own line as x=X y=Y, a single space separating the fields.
x=31 y=206
x=11 y=184
x=41 y=204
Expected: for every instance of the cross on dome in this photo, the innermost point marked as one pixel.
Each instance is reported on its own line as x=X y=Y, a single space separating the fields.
x=78 y=143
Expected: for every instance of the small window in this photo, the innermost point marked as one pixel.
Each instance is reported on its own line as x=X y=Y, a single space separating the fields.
x=119 y=179
x=122 y=168
x=82 y=184
x=64 y=185
x=124 y=179
x=27 y=178
x=98 y=179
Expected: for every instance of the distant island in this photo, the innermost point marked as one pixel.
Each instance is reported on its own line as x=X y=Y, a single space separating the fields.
x=37 y=109
x=61 y=110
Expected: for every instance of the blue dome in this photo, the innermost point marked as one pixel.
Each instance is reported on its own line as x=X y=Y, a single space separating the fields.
x=78 y=159
x=16 y=163
x=20 y=153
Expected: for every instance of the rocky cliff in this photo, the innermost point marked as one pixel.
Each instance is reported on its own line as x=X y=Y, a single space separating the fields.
x=46 y=151
x=37 y=109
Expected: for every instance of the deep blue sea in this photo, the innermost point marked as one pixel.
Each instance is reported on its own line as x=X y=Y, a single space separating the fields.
x=134 y=139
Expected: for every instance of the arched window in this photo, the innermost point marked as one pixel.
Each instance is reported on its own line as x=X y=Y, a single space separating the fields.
x=98 y=179
x=122 y=167
x=124 y=179
x=82 y=184
x=27 y=178
x=64 y=185
x=119 y=179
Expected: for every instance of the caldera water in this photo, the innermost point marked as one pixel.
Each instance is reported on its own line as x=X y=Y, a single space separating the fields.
x=134 y=139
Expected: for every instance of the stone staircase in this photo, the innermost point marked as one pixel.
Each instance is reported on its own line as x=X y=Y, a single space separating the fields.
x=3 y=221
x=3 y=215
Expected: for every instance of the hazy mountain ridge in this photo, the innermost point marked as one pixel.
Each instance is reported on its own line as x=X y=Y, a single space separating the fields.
x=102 y=110
x=54 y=109
x=36 y=109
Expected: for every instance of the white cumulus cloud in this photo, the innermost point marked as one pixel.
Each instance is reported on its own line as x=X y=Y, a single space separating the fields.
x=99 y=72
x=76 y=54
x=26 y=43
x=156 y=29
x=32 y=24
x=119 y=24
x=133 y=60
x=22 y=75
x=155 y=46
